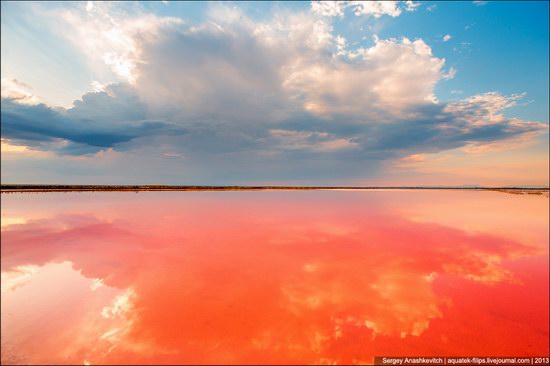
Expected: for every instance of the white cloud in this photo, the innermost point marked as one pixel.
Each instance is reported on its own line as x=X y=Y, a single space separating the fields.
x=109 y=36
x=375 y=9
x=18 y=91
x=386 y=79
x=97 y=86
x=411 y=5
x=341 y=44
x=484 y=109
x=446 y=37
x=449 y=74
x=479 y=2
x=328 y=8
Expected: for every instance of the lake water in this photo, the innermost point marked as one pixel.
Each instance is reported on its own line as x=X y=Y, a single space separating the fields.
x=272 y=277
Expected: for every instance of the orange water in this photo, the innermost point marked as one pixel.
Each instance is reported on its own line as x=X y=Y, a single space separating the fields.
x=272 y=277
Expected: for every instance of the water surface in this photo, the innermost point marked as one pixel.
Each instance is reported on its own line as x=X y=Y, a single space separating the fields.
x=272 y=277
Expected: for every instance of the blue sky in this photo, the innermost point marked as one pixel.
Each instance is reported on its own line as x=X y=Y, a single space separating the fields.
x=262 y=92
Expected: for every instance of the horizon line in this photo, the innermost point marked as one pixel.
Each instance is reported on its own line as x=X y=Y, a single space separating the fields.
x=170 y=187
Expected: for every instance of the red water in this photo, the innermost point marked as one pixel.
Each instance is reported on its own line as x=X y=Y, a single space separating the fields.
x=272 y=277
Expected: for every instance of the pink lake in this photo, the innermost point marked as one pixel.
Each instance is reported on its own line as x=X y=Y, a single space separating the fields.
x=292 y=277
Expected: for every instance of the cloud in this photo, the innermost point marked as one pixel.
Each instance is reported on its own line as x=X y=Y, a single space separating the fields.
x=431 y=7
x=449 y=74
x=107 y=35
x=373 y=83
x=414 y=158
x=285 y=91
x=446 y=37
x=479 y=2
x=411 y=5
x=375 y=9
x=314 y=141
x=328 y=8
x=222 y=69
x=18 y=90
x=97 y=122
x=483 y=108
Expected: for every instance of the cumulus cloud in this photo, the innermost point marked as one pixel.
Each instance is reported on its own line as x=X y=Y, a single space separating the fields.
x=375 y=9
x=107 y=35
x=215 y=73
x=386 y=79
x=328 y=8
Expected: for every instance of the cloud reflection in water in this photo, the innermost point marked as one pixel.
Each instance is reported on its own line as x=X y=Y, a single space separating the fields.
x=281 y=277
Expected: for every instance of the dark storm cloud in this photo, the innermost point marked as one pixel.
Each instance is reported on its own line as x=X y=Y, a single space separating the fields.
x=100 y=121
x=88 y=127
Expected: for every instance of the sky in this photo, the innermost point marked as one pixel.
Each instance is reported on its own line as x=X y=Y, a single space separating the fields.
x=282 y=93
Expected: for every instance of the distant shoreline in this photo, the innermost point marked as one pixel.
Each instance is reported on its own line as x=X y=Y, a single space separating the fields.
x=14 y=188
